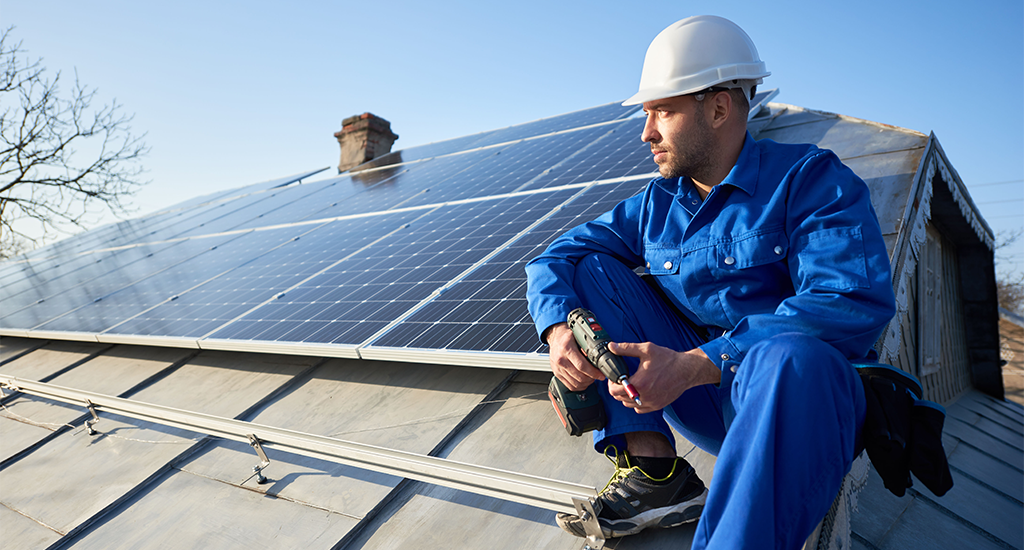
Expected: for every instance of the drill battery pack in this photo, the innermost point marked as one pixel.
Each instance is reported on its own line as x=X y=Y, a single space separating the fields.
x=580 y=411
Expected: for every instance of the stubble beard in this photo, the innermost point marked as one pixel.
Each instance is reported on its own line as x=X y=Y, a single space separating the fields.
x=693 y=156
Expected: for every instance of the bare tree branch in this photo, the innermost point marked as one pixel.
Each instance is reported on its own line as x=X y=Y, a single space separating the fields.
x=59 y=156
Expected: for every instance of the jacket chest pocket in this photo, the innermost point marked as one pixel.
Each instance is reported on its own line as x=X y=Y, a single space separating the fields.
x=747 y=252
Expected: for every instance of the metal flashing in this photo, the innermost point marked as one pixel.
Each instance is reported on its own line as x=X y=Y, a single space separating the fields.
x=485 y=359
x=139 y=340
x=284 y=348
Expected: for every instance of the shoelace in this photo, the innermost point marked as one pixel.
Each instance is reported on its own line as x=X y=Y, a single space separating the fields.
x=620 y=473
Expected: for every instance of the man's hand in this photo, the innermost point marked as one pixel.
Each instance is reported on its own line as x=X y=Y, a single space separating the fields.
x=567 y=361
x=663 y=374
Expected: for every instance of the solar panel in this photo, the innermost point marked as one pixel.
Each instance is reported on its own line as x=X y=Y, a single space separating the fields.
x=244 y=190
x=568 y=121
x=360 y=295
x=486 y=311
x=209 y=258
x=423 y=249
x=217 y=302
x=760 y=100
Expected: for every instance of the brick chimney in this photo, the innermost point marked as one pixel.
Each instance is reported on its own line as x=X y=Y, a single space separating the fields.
x=363 y=138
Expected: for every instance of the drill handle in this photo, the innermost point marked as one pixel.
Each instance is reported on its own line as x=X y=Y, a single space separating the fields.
x=593 y=341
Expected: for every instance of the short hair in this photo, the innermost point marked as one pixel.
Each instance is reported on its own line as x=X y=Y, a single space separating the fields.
x=741 y=100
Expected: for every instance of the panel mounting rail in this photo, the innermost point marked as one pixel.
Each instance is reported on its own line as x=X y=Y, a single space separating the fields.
x=545 y=493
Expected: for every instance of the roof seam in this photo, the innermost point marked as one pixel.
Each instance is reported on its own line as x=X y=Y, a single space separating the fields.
x=986 y=485
x=879 y=153
x=953 y=515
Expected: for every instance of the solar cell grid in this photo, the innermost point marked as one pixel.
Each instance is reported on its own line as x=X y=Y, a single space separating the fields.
x=213 y=256
x=509 y=168
x=95 y=270
x=215 y=303
x=426 y=151
x=577 y=119
x=63 y=298
x=324 y=199
x=486 y=311
x=176 y=224
x=620 y=153
x=568 y=121
x=354 y=299
x=236 y=212
x=245 y=189
x=413 y=184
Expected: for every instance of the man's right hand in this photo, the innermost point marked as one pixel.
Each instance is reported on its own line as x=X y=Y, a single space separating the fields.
x=567 y=361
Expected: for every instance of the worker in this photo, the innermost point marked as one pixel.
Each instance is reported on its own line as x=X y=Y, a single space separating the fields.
x=765 y=276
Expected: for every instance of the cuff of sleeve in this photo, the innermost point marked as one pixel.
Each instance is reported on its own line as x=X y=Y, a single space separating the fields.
x=548 y=317
x=725 y=356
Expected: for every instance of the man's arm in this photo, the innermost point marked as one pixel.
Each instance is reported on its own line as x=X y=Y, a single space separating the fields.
x=550 y=278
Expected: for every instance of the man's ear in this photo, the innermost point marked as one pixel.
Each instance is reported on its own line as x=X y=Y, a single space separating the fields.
x=721 y=105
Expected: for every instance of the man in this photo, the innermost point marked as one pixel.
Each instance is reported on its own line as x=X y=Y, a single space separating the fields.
x=768 y=277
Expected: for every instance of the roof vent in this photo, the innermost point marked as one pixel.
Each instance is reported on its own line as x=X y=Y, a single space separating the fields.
x=363 y=138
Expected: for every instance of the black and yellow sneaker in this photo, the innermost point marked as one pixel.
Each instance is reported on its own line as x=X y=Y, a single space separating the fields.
x=633 y=501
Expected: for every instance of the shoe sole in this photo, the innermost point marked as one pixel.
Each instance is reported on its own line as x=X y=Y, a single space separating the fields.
x=658 y=518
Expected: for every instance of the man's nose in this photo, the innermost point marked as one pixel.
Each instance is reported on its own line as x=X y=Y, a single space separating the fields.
x=650 y=133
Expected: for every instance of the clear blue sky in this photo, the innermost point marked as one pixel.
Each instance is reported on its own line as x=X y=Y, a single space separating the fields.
x=232 y=93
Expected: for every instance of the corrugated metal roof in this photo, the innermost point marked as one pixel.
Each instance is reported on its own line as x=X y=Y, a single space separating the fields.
x=136 y=484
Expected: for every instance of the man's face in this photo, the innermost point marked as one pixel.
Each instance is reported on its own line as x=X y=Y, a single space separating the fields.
x=680 y=137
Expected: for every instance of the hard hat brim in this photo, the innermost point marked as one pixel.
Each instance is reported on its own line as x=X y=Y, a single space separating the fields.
x=662 y=92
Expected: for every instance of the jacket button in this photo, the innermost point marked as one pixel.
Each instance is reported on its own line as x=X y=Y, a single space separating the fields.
x=725 y=357
x=733 y=368
x=778 y=250
x=668 y=265
x=648 y=265
x=729 y=260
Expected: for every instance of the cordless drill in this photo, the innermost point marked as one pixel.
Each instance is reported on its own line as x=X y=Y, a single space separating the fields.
x=583 y=411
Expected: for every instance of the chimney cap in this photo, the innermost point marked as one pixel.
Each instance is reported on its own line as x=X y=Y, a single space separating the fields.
x=363 y=138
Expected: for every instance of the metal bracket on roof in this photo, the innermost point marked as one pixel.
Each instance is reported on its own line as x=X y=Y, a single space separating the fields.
x=264 y=461
x=95 y=418
x=585 y=510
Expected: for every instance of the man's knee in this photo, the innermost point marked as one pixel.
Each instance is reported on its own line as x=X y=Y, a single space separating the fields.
x=594 y=268
x=797 y=359
x=791 y=346
x=601 y=278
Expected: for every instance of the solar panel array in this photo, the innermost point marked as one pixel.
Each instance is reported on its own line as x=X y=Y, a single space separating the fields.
x=421 y=250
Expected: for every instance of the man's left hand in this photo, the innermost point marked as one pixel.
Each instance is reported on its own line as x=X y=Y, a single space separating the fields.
x=663 y=374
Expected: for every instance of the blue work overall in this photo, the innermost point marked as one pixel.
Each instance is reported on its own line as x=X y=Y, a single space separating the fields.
x=784 y=425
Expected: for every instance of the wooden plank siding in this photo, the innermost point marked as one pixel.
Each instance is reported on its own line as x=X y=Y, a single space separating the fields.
x=907 y=358
x=952 y=375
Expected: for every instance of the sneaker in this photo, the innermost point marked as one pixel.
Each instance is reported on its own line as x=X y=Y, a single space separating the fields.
x=632 y=501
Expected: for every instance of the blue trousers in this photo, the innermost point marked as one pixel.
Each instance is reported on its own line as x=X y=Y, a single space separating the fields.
x=784 y=426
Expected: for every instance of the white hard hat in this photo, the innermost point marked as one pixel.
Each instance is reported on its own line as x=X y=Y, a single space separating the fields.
x=697 y=53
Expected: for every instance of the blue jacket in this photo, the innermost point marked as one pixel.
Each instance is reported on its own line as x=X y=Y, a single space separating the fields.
x=788 y=242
